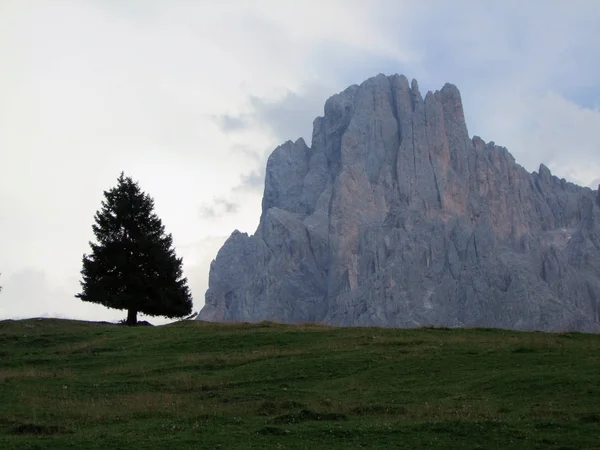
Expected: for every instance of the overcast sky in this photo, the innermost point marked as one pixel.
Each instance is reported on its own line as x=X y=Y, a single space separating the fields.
x=190 y=97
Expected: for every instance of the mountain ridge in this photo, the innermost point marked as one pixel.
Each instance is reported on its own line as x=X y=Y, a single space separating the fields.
x=396 y=217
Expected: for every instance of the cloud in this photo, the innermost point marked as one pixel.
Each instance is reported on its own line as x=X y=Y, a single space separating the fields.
x=253 y=181
x=197 y=258
x=288 y=117
x=228 y=123
x=566 y=135
x=291 y=116
x=31 y=293
x=548 y=129
x=218 y=208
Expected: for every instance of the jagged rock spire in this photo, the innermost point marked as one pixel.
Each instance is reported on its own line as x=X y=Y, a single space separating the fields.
x=395 y=217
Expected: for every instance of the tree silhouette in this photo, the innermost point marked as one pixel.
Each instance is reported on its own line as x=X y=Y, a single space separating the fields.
x=133 y=264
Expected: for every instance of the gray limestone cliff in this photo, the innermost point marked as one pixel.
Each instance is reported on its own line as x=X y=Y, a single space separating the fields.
x=396 y=217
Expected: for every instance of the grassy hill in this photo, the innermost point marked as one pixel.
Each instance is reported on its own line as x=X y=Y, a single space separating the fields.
x=74 y=385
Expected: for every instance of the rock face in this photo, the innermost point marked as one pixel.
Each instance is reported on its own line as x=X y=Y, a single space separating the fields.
x=395 y=217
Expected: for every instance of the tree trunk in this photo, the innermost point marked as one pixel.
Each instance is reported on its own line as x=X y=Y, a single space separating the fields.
x=131 y=317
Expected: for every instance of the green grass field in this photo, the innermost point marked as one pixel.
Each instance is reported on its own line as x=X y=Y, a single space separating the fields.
x=80 y=385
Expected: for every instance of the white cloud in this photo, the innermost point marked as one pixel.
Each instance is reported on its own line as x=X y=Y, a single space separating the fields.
x=92 y=88
x=552 y=130
x=197 y=258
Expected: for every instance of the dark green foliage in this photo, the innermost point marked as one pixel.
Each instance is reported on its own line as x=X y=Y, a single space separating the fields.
x=133 y=264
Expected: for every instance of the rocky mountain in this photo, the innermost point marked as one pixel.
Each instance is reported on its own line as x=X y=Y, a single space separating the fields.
x=395 y=217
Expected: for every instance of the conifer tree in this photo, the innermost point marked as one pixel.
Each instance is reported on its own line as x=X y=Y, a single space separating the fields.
x=133 y=265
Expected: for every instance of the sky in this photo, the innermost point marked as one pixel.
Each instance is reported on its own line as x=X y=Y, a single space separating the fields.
x=190 y=97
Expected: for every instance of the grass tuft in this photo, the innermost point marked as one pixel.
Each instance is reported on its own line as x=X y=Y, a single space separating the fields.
x=306 y=415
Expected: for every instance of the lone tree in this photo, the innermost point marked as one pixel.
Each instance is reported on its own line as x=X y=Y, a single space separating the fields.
x=133 y=265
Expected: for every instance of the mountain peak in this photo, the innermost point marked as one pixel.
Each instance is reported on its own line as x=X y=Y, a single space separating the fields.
x=396 y=217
